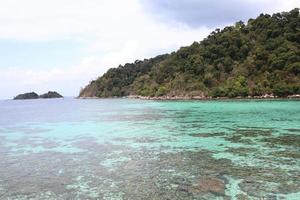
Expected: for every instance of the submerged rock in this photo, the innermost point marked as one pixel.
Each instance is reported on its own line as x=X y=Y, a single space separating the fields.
x=291 y=140
x=29 y=95
x=212 y=185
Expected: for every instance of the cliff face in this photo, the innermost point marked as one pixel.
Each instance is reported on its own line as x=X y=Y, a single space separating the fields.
x=253 y=59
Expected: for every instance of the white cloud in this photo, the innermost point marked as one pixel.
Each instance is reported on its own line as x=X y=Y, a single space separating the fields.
x=53 y=19
x=65 y=80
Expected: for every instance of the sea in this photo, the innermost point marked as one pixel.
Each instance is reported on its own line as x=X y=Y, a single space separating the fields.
x=144 y=149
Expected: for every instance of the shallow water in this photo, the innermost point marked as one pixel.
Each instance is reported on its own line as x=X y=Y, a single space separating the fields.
x=135 y=149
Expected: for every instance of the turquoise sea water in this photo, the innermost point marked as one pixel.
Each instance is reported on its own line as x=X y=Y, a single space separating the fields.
x=137 y=149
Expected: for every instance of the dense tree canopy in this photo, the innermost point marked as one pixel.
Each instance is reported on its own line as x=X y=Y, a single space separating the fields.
x=256 y=58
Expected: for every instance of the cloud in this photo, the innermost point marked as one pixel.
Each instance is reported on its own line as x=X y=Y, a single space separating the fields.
x=213 y=13
x=59 y=19
x=65 y=80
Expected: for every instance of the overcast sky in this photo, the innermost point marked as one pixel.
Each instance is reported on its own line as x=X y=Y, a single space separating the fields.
x=63 y=44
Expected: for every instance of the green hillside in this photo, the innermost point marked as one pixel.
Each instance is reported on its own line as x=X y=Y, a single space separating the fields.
x=255 y=58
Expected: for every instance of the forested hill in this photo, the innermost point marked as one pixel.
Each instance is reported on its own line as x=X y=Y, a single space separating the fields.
x=252 y=59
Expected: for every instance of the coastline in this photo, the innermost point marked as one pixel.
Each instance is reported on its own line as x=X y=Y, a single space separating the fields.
x=161 y=98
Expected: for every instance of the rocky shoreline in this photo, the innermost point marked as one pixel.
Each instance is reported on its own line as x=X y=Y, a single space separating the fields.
x=266 y=96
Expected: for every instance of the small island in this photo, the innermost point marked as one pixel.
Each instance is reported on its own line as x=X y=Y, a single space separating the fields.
x=33 y=95
x=50 y=95
x=29 y=95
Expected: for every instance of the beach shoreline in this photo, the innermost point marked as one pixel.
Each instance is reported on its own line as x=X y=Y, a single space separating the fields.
x=263 y=97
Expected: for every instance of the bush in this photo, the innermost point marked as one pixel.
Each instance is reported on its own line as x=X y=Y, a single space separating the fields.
x=282 y=90
x=219 y=92
x=294 y=68
x=161 y=91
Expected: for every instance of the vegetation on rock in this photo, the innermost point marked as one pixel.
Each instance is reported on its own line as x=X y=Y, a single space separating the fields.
x=29 y=95
x=253 y=59
x=50 y=94
x=33 y=95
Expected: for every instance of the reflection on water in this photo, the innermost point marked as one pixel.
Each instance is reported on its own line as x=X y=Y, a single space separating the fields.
x=133 y=149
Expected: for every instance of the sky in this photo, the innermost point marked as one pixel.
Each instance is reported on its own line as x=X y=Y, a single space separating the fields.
x=62 y=45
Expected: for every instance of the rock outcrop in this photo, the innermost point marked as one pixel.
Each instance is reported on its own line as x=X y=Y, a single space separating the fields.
x=50 y=94
x=33 y=95
x=29 y=95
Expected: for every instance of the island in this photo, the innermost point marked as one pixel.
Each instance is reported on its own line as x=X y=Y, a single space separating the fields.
x=33 y=95
x=29 y=95
x=50 y=94
x=256 y=59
